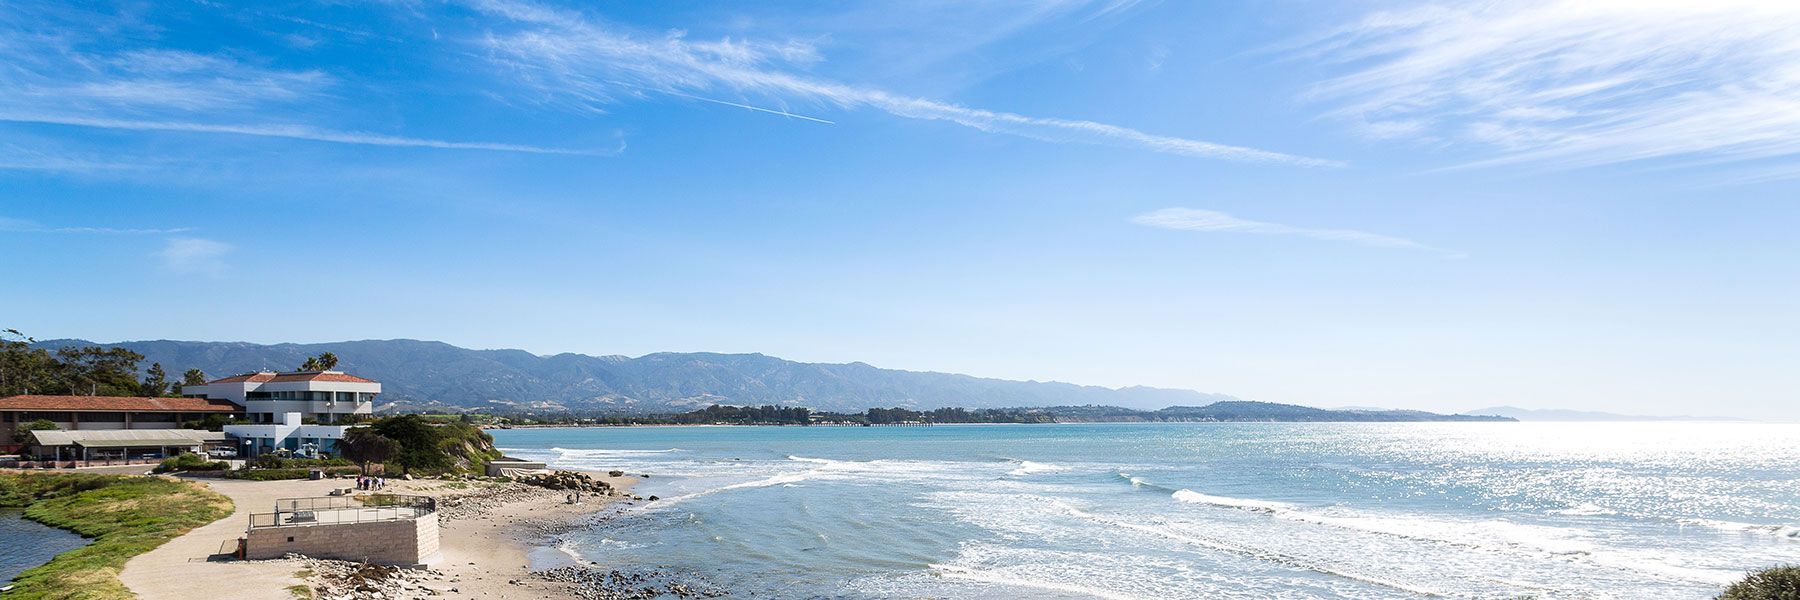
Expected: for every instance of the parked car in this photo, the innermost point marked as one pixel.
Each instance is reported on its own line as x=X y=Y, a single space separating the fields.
x=222 y=453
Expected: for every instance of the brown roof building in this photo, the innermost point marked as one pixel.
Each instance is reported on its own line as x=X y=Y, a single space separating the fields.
x=108 y=412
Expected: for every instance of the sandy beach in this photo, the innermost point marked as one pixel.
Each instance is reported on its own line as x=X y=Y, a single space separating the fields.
x=486 y=532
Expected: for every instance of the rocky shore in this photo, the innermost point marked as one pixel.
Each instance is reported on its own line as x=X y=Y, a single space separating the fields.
x=593 y=583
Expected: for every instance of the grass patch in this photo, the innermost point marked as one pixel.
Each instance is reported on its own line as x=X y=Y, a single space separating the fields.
x=124 y=516
x=300 y=592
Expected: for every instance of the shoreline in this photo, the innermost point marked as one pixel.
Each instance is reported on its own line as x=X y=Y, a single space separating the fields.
x=488 y=533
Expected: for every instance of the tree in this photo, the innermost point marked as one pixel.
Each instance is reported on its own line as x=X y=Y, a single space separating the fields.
x=322 y=362
x=421 y=445
x=156 y=382
x=193 y=377
x=22 y=433
x=365 y=445
x=211 y=422
x=23 y=369
x=98 y=371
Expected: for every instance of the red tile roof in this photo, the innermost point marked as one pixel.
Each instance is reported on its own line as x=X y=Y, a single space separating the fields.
x=321 y=376
x=248 y=377
x=37 y=402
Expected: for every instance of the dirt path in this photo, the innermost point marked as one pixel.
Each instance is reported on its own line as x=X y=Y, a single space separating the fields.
x=181 y=568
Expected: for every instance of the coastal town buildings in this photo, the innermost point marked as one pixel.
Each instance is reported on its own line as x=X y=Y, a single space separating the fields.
x=85 y=413
x=121 y=445
x=324 y=397
x=304 y=412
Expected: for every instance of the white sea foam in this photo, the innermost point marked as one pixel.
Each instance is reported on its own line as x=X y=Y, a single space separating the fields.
x=1585 y=509
x=1779 y=531
x=1003 y=579
x=1193 y=497
x=782 y=479
x=1027 y=467
x=608 y=451
x=1260 y=553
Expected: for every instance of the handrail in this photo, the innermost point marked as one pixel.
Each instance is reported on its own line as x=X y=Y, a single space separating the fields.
x=300 y=512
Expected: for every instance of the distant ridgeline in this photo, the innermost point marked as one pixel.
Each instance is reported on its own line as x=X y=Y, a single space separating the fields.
x=434 y=376
x=1230 y=411
x=422 y=376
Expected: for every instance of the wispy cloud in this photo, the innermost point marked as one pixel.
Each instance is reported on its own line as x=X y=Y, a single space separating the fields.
x=28 y=226
x=296 y=132
x=59 y=72
x=1212 y=221
x=1573 y=83
x=195 y=256
x=570 y=57
x=16 y=157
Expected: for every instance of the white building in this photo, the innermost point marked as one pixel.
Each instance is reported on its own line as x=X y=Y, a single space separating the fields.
x=304 y=412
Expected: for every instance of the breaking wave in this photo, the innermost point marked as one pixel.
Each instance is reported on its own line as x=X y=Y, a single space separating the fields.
x=1193 y=497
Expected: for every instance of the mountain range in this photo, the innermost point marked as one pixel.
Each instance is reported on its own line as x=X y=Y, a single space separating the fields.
x=418 y=375
x=425 y=375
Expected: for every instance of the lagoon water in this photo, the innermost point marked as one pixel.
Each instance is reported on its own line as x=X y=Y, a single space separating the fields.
x=1202 y=510
x=28 y=544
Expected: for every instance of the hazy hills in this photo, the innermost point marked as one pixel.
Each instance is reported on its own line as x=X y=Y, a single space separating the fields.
x=422 y=374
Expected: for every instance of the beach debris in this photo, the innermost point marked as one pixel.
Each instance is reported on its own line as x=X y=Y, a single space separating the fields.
x=599 y=584
x=345 y=580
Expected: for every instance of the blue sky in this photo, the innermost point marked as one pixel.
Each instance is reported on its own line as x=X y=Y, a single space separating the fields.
x=1437 y=206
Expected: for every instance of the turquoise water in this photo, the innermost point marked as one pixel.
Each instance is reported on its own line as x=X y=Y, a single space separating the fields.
x=26 y=544
x=1263 y=510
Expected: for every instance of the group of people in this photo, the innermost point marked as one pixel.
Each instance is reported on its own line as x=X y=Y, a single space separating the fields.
x=370 y=483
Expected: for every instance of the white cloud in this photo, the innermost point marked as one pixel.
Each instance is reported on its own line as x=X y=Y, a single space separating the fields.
x=1192 y=219
x=568 y=57
x=195 y=256
x=1576 y=83
x=28 y=226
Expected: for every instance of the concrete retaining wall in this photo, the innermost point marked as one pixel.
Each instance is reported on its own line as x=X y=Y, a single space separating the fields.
x=404 y=542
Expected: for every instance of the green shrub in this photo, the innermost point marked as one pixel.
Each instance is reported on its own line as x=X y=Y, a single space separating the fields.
x=280 y=474
x=190 y=462
x=428 y=447
x=1778 y=583
x=270 y=461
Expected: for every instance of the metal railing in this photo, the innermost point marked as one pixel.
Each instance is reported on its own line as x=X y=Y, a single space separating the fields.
x=342 y=510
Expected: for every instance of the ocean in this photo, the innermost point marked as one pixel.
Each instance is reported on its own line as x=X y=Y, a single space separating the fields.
x=1195 y=510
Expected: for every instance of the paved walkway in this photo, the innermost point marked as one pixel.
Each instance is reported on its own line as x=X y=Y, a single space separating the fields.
x=181 y=569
